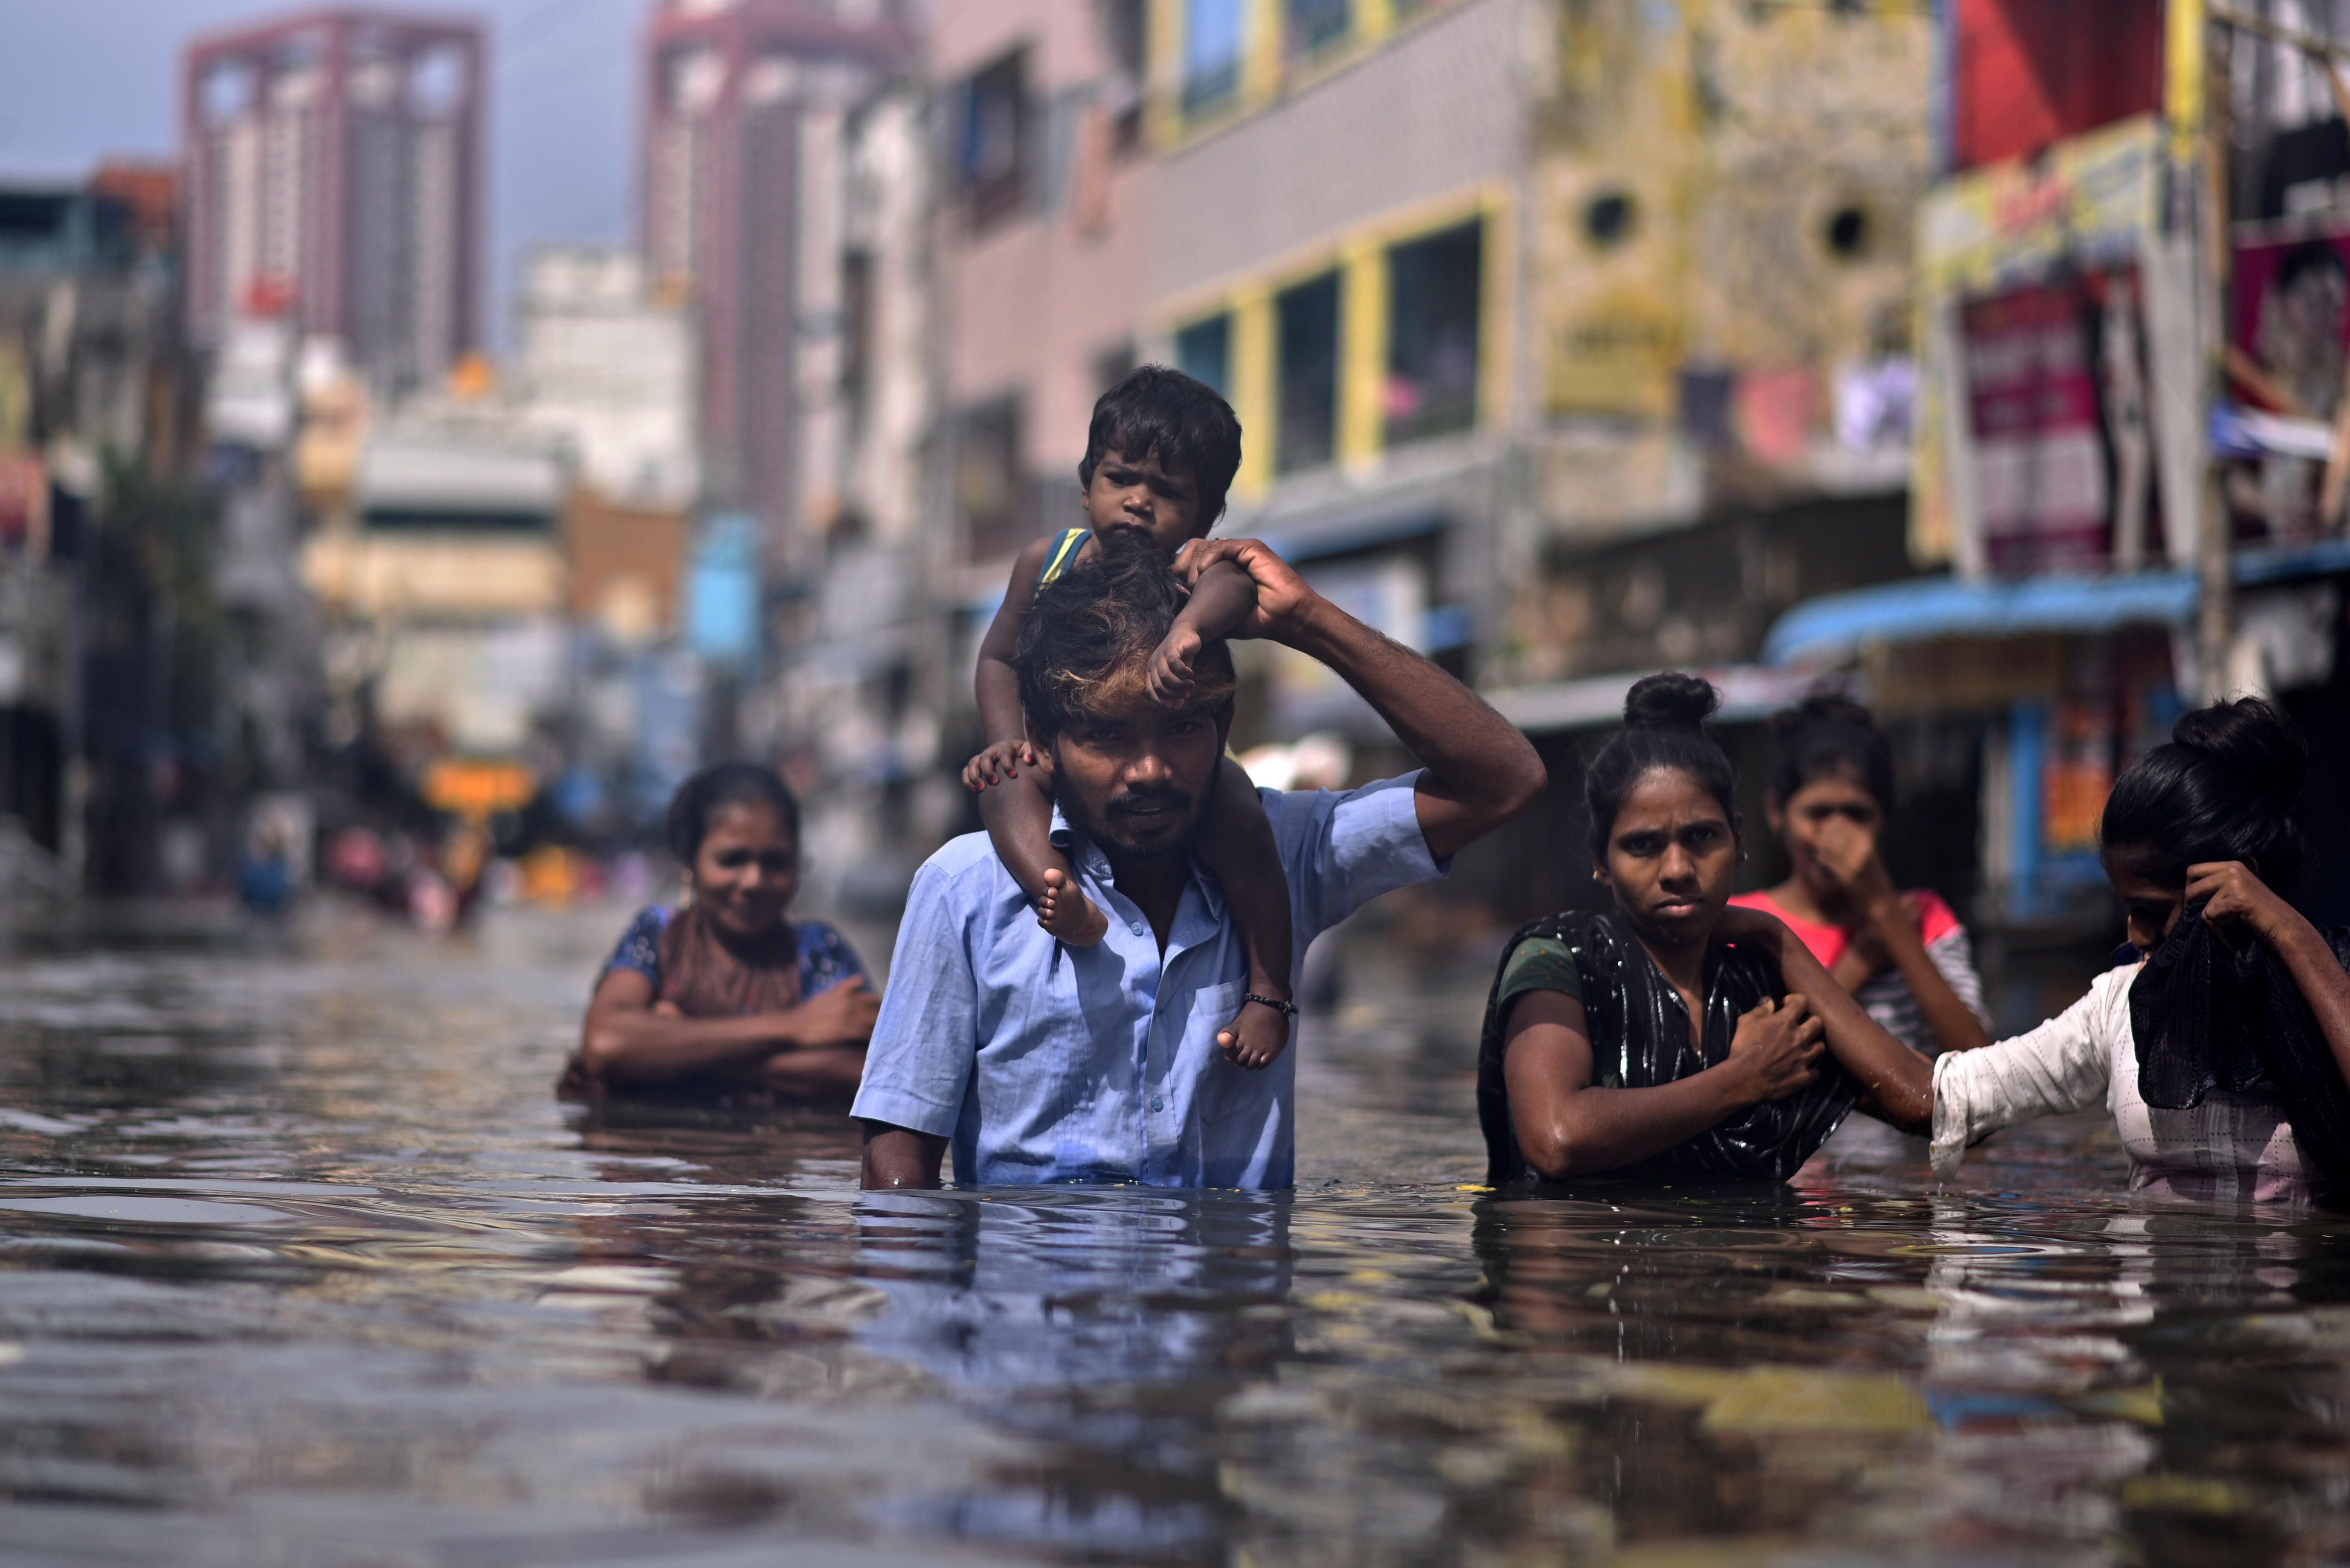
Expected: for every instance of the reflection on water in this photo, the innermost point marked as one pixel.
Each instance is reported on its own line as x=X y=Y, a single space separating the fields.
x=299 y=1263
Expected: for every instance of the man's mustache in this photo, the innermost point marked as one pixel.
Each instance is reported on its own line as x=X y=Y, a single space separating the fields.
x=1131 y=800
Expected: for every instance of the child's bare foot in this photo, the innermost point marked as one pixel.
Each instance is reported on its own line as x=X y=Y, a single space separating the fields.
x=1256 y=1034
x=1069 y=914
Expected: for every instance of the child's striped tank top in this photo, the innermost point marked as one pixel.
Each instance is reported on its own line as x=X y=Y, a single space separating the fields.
x=1064 y=552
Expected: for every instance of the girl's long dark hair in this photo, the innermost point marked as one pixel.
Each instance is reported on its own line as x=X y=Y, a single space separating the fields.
x=1826 y=734
x=2222 y=788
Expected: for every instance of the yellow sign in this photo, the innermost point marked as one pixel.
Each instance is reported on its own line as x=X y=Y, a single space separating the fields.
x=1616 y=351
x=475 y=789
x=2093 y=200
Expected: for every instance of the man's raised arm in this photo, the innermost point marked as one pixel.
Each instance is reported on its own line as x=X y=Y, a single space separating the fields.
x=1480 y=771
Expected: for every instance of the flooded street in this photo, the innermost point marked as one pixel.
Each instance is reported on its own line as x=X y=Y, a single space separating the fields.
x=300 y=1262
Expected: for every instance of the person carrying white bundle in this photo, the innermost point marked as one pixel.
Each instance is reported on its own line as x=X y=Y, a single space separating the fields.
x=2221 y=1051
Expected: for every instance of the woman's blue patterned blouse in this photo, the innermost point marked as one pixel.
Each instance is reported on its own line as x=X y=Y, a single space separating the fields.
x=826 y=957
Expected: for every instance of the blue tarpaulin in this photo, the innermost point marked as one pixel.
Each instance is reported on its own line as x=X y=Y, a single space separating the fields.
x=1927 y=609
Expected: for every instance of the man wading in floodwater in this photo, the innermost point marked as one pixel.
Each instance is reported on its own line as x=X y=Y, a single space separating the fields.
x=1051 y=1064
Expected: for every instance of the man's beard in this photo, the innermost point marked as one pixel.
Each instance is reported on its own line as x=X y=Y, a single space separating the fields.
x=1117 y=838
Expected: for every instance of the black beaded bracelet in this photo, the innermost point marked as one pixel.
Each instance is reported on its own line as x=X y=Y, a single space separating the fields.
x=1286 y=1009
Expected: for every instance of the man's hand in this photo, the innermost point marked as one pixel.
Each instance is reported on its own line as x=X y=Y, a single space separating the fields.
x=1002 y=761
x=1281 y=593
x=841 y=1017
x=1777 y=1046
x=2239 y=899
x=1168 y=677
x=1477 y=772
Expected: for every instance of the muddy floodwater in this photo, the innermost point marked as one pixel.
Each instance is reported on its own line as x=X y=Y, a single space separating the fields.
x=301 y=1263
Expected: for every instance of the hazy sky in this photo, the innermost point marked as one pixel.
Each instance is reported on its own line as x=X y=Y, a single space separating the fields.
x=83 y=79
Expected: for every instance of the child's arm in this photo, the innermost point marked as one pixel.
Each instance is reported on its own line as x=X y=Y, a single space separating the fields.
x=1222 y=600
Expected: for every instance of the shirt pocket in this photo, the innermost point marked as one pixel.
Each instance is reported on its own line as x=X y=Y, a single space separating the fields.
x=1217 y=1002
x=1221 y=1090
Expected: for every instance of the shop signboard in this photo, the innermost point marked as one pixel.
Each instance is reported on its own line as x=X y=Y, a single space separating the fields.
x=2090 y=202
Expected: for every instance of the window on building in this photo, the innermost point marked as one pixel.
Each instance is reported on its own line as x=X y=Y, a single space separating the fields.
x=1311 y=24
x=1125 y=40
x=1204 y=351
x=1307 y=338
x=996 y=133
x=990 y=482
x=1113 y=364
x=1432 y=333
x=1212 y=52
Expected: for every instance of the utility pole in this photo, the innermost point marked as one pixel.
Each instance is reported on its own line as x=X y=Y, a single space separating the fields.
x=2215 y=616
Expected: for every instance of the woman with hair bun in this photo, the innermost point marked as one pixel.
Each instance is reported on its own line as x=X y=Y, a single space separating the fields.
x=1904 y=957
x=2221 y=1053
x=1674 y=1036
x=725 y=996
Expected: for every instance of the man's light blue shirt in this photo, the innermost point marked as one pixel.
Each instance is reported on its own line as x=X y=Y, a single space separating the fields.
x=1051 y=1063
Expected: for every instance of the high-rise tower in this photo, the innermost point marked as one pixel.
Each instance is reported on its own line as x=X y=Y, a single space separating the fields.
x=732 y=89
x=334 y=176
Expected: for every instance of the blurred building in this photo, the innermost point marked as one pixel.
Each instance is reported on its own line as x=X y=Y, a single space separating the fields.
x=859 y=677
x=727 y=86
x=443 y=584
x=267 y=675
x=609 y=366
x=335 y=176
x=1049 y=204
x=1568 y=340
x=503 y=563
x=104 y=583
x=2126 y=535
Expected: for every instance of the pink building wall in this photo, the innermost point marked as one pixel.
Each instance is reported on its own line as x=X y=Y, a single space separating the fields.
x=1036 y=299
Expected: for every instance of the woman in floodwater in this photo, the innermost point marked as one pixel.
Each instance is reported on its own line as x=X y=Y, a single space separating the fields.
x=725 y=996
x=1904 y=957
x=2221 y=1050
x=1673 y=1036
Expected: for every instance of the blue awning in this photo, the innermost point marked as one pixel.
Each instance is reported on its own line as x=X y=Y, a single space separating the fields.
x=1932 y=609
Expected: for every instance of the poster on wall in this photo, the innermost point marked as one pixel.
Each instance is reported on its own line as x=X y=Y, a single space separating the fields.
x=2061 y=445
x=2290 y=334
x=2291 y=314
x=2042 y=489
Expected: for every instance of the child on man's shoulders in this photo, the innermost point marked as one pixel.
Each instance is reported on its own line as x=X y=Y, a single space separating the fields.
x=1160 y=455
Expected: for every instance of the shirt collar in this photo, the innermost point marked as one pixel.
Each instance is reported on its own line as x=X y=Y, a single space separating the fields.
x=1082 y=852
x=1087 y=858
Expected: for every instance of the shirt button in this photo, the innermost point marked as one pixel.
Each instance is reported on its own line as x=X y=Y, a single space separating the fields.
x=1136 y=927
x=1157 y=1103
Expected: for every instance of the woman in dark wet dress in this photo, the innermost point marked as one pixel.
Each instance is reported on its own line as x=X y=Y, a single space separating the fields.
x=726 y=997
x=1671 y=1036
